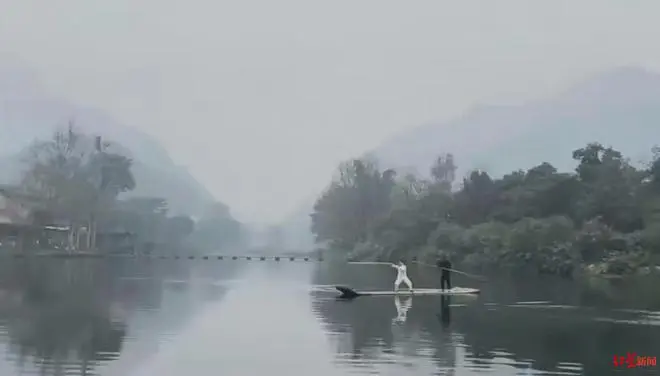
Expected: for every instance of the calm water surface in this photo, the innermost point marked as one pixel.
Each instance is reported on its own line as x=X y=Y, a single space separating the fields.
x=210 y=317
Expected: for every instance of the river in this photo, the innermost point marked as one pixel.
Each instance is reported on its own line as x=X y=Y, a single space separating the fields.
x=226 y=317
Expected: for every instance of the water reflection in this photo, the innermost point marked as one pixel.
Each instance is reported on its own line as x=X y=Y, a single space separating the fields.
x=445 y=311
x=142 y=317
x=72 y=316
x=59 y=318
x=261 y=327
x=535 y=326
x=402 y=309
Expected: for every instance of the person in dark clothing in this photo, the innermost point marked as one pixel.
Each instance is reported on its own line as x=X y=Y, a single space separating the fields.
x=445 y=265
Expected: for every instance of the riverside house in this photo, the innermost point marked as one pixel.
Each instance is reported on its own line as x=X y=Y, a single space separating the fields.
x=21 y=223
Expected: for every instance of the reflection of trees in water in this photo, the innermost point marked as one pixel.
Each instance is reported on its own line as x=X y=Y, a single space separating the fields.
x=373 y=328
x=548 y=337
x=570 y=334
x=371 y=323
x=61 y=315
x=142 y=283
x=138 y=283
x=70 y=313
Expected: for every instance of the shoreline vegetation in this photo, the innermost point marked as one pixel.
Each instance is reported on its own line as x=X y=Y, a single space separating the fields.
x=73 y=199
x=601 y=219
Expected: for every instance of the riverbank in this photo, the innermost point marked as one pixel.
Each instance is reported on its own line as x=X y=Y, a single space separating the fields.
x=613 y=268
x=548 y=246
x=601 y=218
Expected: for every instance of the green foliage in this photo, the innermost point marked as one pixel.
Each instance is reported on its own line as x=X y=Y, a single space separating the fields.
x=545 y=244
x=78 y=181
x=347 y=212
x=607 y=211
x=75 y=175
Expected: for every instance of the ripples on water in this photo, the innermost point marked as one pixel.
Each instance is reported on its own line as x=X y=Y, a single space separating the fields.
x=134 y=318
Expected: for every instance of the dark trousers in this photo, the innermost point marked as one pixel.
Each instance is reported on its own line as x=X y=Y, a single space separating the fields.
x=444 y=281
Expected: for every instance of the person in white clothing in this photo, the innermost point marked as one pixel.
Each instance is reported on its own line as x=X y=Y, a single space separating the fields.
x=401 y=276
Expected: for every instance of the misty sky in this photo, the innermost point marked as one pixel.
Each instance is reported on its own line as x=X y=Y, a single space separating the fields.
x=262 y=99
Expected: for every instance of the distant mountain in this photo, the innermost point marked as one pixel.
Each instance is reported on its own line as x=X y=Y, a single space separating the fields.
x=620 y=107
x=26 y=113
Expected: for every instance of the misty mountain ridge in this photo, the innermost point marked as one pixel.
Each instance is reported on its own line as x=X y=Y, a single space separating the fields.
x=619 y=108
x=26 y=114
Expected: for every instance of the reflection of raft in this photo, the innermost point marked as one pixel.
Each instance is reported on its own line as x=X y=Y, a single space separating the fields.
x=349 y=293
